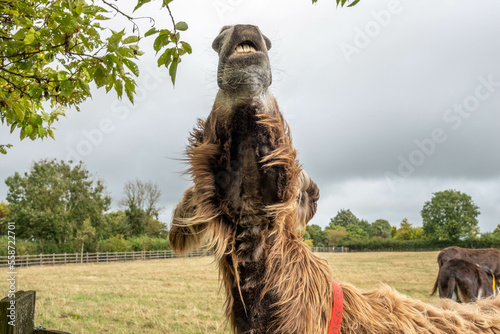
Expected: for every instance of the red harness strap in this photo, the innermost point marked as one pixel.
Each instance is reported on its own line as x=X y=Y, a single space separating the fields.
x=338 y=306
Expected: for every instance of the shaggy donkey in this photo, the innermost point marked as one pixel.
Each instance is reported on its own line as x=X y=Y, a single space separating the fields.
x=464 y=281
x=248 y=202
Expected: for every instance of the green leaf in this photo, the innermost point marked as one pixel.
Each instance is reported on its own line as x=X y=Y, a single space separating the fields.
x=125 y=52
x=119 y=88
x=140 y=3
x=19 y=112
x=116 y=36
x=35 y=91
x=30 y=37
x=165 y=58
x=187 y=47
x=129 y=88
x=101 y=76
x=51 y=134
x=130 y=39
x=160 y=42
x=182 y=26
x=354 y=3
x=151 y=32
x=78 y=10
x=20 y=35
x=67 y=88
x=41 y=132
x=131 y=66
x=28 y=130
x=173 y=69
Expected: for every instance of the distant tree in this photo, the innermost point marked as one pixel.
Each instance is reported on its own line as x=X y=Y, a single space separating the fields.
x=317 y=235
x=139 y=222
x=380 y=228
x=309 y=242
x=142 y=195
x=355 y=232
x=116 y=243
x=394 y=231
x=115 y=223
x=364 y=225
x=52 y=201
x=137 y=219
x=85 y=233
x=335 y=235
x=450 y=215
x=343 y=218
x=4 y=210
x=406 y=231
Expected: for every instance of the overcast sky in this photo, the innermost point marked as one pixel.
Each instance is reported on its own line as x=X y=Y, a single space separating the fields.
x=388 y=102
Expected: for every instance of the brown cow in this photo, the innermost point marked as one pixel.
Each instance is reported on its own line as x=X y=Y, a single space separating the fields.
x=464 y=281
x=489 y=257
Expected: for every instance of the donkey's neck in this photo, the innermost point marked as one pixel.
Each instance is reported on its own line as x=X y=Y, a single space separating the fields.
x=253 y=314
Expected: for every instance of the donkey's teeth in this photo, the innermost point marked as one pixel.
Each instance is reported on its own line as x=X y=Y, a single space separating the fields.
x=245 y=48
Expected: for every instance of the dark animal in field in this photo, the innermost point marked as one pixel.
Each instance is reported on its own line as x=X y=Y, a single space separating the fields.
x=489 y=257
x=464 y=281
x=250 y=201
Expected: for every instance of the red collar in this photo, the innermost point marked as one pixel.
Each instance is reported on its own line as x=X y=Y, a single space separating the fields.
x=338 y=306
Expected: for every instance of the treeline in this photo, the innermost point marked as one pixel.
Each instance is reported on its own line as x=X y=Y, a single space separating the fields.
x=59 y=207
x=346 y=230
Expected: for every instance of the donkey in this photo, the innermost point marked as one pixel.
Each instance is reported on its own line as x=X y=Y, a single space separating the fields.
x=489 y=257
x=249 y=203
x=464 y=281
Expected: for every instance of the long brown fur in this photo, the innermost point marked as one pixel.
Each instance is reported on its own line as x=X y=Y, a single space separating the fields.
x=249 y=203
x=299 y=280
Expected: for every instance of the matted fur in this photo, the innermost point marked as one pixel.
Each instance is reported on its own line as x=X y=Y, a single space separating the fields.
x=297 y=282
x=385 y=311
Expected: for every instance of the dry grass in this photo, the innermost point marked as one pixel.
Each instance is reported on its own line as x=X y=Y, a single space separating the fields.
x=181 y=295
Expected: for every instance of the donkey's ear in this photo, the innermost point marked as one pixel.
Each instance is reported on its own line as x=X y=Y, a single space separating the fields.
x=217 y=41
x=268 y=42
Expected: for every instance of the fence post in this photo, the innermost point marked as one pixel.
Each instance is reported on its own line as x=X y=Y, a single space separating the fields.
x=107 y=256
x=87 y=259
x=53 y=259
x=64 y=258
x=97 y=258
x=41 y=259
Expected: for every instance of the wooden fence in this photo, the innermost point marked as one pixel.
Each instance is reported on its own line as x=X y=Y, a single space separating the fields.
x=330 y=249
x=67 y=258
x=55 y=259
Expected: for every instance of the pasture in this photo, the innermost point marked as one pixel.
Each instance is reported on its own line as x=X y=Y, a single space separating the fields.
x=182 y=295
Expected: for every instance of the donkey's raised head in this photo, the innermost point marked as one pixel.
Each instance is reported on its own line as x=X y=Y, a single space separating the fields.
x=243 y=59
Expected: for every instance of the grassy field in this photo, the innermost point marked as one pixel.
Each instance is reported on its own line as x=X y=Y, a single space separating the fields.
x=182 y=295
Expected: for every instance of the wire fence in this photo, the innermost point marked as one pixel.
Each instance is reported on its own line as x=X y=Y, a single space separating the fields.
x=67 y=258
